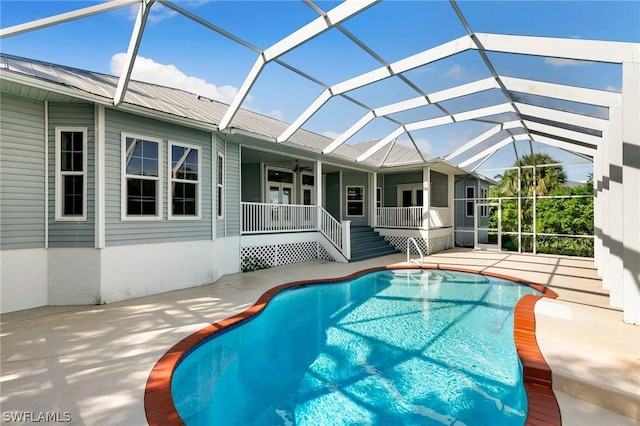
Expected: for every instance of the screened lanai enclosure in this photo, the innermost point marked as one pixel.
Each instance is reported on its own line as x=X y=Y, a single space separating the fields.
x=472 y=119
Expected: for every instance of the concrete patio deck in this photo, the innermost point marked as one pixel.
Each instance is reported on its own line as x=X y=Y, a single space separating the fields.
x=92 y=362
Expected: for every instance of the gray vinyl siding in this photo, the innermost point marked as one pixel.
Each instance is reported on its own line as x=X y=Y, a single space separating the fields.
x=355 y=178
x=123 y=232
x=391 y=182
x=22 y=168
x=61 y=233
x=229 y=225
x=460 y=209
x=332 y=193
x=232 y=189
x=439 y=189
x=251 y=183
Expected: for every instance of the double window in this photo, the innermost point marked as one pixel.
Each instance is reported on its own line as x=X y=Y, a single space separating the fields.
x=141 y=181
x=184 y=181
x=71 y=173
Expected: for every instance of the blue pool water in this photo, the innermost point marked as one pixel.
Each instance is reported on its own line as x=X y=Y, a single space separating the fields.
x=401 y=347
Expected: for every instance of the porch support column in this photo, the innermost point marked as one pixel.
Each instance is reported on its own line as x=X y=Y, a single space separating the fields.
x=373 y=194
x=631 y=190
x=426 y=196
x=319 y=191
x=614 y=240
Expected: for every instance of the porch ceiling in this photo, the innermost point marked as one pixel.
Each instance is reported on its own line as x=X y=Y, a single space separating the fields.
x=388 y=110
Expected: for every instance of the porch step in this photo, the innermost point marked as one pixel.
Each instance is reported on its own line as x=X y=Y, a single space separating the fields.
x=368 y=244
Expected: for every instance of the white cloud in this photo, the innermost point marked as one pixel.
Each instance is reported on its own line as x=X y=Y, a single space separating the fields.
x=611 y=88
x=424 y=144
x=562 y=62
x=148 y=70
x=331 y=134
x=454 y=72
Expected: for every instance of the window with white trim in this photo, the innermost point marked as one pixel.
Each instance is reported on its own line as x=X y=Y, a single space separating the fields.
x=355 y=200
x=71 y=173
x=184 y=181
x=484 y=193
x=378 y=197
x=220 y=183
x=141 y=182
x=470 y=203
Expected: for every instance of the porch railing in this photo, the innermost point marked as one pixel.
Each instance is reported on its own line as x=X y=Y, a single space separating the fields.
x=263 y=218
x=399 y=217
x=331 y=228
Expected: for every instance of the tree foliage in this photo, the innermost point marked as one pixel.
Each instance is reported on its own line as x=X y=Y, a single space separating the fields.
x=569 y=215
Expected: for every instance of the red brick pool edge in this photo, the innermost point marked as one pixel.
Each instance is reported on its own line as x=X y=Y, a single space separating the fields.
x=543 y=406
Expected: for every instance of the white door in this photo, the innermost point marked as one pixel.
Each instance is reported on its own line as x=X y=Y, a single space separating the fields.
x=486 y=237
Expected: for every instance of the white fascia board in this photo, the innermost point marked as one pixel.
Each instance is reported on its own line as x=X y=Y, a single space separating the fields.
x=564 y=145
x=65 y=17
x=483 y=112
x=464 y=89
x=564 y=133
x=563 y=116
x=132 y=51
x=564 y=48
x=416 y=102
x=378 y=146
x=53 y=87
x=306 y=115
x=242 y=93
x=562 y=91
x=493 y=148
x=350 y=132
x=333 y=17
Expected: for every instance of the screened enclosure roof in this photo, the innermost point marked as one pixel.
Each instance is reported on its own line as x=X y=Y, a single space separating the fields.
x=381 y=83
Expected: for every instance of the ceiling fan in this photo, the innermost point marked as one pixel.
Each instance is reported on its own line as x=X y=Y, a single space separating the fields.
x=298 y=168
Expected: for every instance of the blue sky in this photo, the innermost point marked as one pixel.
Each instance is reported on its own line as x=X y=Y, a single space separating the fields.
x=176 y=51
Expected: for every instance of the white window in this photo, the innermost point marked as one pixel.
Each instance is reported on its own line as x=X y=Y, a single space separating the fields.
x=184 y=181
x=470 y=203
x=355 y=201
x=378 y=197
x=220 y=183
x=71 y=173
x=141 y=178
x=484 y=193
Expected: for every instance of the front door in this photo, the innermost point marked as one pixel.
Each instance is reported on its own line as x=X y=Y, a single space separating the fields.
x=487 y=236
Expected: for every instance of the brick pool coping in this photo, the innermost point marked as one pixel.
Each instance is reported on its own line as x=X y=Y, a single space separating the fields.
x=543 y=407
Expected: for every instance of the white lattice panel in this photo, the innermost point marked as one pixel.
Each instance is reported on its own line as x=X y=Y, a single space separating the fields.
x=428 y=246
x=324 y=254
x=285 y=254
x=266 y=253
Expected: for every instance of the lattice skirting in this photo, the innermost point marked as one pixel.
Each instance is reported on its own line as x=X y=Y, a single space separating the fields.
x=428 y=246
x=284 y=254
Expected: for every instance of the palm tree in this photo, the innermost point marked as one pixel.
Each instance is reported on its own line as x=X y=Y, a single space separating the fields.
x=547 y=178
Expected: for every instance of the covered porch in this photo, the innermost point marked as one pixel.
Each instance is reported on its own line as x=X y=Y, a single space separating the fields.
x=284 y=194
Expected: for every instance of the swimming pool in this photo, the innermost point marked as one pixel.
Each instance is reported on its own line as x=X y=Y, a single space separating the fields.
x=390 y=347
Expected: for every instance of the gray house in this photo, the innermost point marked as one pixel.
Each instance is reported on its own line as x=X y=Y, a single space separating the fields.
x=101 y=203
x=471 y=210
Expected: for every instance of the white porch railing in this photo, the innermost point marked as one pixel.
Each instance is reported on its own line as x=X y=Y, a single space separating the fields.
x=399 y=217
x=263 y=217
x=331 y=228
x=412 y=217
